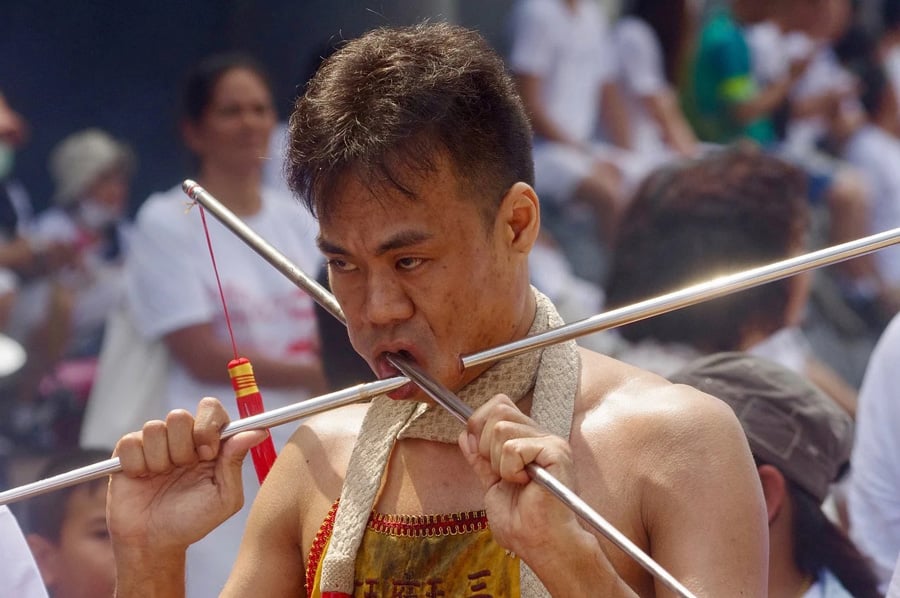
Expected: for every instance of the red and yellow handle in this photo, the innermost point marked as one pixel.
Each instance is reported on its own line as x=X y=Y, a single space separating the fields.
x=249 y=402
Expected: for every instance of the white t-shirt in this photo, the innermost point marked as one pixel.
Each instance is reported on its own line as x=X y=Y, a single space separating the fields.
x=170 y=285
x=18 y=570
x=874 y=484
x=876 y=155
x=641 y=75
x=894 y=589
x=570 y=51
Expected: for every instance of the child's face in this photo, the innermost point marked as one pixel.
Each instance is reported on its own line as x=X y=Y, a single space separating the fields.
x=84 y=565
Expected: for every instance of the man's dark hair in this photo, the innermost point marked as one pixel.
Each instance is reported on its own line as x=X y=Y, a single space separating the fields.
x=395 y=101
x=734 y=209
x=45 y=514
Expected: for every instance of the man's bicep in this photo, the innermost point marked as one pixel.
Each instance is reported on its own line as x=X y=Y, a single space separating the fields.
x=708 y=522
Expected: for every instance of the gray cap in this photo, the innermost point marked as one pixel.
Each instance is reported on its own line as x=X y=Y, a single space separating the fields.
x=80 y=158
x=789 y=422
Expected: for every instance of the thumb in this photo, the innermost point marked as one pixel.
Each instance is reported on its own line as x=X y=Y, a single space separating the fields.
x=237 y=447
x=228 y=467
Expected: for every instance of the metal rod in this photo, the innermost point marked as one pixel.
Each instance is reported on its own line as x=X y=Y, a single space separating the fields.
x=704 y=291
x=462 y=411
x=263 y=247
x=275 y=417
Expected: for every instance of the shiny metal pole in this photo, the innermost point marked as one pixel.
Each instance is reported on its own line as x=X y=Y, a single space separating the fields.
x=263 y=247
x=275 y=417
x=704 y=291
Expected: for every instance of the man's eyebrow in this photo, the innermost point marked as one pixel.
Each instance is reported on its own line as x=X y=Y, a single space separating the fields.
x=406 y=238
x=399 y=240
x=328 y=247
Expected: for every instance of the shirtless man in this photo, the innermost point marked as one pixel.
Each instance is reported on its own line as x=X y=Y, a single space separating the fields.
x=414 y=149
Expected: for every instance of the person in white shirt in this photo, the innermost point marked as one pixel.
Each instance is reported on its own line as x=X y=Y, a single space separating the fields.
x=875 y=152
x=171 y=287
x=649 y=40
x=20 y=574
x=563 y=61
x=873 y=490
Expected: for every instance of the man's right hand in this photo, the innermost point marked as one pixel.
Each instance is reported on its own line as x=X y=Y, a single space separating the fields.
x=178 y=481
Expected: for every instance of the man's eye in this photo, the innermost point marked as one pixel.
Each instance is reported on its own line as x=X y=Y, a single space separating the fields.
x=408 y=263
x=340 y=266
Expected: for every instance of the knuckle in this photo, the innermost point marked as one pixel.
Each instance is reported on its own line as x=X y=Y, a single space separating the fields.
x=154 y=427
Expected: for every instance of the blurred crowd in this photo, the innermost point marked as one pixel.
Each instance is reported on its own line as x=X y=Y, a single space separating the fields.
x=672 y=144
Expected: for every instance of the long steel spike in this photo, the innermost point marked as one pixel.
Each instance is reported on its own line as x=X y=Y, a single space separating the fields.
x=275 y=417
x=704 y=291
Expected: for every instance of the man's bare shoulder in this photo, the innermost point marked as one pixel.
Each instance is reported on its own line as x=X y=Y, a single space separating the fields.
x=330 y=433
x=622 y=401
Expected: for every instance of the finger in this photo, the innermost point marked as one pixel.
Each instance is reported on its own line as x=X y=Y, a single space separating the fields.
x=504 y=435
x=209 y=422
x=130 y=450
x=481 y=466
x=180 y=431
x=156 y=447
x=550 y=452
x=503 y=421
x=481 y=422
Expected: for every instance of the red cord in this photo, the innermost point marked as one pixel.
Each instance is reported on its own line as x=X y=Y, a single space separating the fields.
x=212 y=256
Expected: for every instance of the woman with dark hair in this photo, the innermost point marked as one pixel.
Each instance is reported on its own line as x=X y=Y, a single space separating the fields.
x=650 y=41
x=227 y=119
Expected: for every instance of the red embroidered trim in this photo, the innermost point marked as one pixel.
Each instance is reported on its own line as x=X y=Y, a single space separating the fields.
x=420 y=526
x=318 y=547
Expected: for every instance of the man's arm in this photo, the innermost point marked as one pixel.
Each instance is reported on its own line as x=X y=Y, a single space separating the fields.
x=178 y=483
x=700 y=503
x=270 y=561
x=702 y=500
x=499 y=442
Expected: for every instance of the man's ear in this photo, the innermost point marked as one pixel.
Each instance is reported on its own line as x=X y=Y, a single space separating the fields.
x=520 y=217
x=45 y=555
x=774 y=489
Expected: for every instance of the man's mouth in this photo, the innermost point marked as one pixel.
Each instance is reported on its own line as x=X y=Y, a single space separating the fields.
x=386 y=370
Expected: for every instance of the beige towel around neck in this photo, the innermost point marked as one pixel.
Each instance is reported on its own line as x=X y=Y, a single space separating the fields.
x=553 y=373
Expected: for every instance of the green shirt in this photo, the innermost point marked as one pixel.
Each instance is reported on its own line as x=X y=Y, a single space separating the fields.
x=721 y=77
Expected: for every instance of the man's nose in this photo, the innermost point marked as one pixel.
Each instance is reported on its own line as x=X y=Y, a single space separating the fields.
x=386 y=300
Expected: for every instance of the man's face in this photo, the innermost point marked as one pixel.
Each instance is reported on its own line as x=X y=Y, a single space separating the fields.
x=424 y=277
